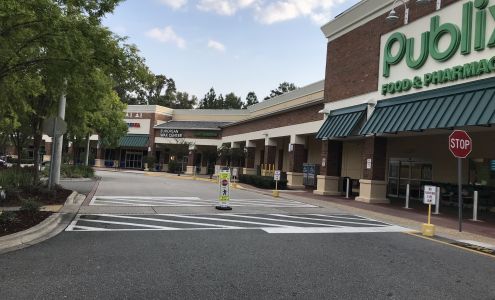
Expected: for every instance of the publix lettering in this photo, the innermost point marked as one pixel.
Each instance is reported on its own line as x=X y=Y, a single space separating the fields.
x=471 y=36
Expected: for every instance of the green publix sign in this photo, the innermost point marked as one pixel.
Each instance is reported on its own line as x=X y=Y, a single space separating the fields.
x=474 y=19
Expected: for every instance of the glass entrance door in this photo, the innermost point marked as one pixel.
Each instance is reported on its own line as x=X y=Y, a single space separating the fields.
x=403 y=172
x=134 y=160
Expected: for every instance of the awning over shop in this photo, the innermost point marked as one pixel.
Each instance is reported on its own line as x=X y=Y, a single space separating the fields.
x=342 y=122
x=471 y=104
x=134 y=140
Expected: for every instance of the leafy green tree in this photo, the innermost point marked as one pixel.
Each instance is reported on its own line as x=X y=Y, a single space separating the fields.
x=232 y=102
x=283 y=88
x=209 y=101
x=251 y=99
x=182 y=100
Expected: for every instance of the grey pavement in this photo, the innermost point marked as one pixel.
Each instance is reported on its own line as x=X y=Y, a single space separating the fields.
x=111 y=255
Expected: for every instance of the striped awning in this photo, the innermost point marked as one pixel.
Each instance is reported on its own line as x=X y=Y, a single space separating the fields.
x=342 y=122
x=134 y=141
x=470 y=104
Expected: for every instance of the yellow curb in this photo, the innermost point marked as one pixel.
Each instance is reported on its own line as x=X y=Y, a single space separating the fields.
x=445 y=243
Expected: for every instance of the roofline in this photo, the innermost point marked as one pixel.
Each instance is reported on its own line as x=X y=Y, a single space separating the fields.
x=275 y=113
x=357 y=15
x=187 y=128
x=273 y=101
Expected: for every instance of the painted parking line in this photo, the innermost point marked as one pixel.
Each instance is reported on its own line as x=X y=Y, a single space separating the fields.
x=270 y=223
x=191 y=202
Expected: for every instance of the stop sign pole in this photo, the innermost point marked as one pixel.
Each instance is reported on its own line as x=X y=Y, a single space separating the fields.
x=461 y=145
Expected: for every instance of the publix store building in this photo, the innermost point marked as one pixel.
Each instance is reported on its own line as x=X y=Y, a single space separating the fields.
x=394 y=91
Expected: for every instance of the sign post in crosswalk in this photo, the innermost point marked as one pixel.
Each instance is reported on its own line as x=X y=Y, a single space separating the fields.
x=224 y=191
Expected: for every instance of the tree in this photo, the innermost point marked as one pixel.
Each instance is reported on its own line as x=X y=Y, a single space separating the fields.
x=283 y=88
x=232 y=102
x=209 y=101
x=44 y=43
x=183 y=101
x=251 y=99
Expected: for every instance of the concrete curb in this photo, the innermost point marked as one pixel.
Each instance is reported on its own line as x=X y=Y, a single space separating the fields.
x=48 y=228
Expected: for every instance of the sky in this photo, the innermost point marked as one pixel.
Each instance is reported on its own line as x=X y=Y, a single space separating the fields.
x=231 y=45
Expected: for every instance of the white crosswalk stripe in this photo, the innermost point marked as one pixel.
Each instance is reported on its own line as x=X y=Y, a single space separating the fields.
x=191 y=201
x=270 y=223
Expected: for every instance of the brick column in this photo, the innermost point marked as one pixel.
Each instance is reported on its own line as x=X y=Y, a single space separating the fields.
x=297 y=157
x=373 y=185
x=270 y=154
x=331 y=158
x=330 y=168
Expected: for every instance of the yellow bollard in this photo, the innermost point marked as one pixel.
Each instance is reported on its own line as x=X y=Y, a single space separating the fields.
x=428 y=229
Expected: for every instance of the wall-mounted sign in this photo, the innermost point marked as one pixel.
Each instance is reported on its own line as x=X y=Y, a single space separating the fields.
x=369 y=163
x=291 y=147
x=133 y=115
x=206 y=134
x=171 y=133
x=323 y=161
x=455 y=44
x=134 y=125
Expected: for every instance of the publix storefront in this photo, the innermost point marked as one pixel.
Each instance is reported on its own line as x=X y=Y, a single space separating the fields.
x=396 y=91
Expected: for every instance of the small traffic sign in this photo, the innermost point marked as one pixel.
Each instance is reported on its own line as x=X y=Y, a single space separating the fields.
x=54 y=126
x=276 y=175
x=224 y=190
x=430 y=195
x=460 y=144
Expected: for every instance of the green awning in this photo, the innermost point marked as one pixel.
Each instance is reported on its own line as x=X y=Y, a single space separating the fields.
x=134 y=140
x=342 y=122
x=470 y=104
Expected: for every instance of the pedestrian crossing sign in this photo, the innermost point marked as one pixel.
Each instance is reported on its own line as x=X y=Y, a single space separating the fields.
x=224 y=184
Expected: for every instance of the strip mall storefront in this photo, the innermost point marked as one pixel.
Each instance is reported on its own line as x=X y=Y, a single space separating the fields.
x=394 y=92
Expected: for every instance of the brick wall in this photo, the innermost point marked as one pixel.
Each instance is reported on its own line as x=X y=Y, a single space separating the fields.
x=303 y=115
x=352 y=66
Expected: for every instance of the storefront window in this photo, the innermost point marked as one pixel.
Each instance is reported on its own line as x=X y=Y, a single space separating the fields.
x=482 y=172
x=403 y=172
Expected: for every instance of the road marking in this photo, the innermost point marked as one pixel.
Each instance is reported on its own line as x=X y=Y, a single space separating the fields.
x=336 y=230
x=130 y=224
x=280 y=220
x=270 y=223
x=169 y=221
x=337 y=221
x=228 y=220
x=139 y=201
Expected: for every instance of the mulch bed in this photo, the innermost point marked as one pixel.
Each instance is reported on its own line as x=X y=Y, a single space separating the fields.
x=23 y=220
x=41 y=194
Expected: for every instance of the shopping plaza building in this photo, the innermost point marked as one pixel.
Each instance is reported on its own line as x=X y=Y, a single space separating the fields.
x=392 y=94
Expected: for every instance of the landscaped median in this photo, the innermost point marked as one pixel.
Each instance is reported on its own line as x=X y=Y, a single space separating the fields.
x=28 y=208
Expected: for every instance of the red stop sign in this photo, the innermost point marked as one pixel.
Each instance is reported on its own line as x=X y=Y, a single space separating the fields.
x=460 y=143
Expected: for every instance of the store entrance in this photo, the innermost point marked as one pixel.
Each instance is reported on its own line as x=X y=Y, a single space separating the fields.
x=416 y=173
x=134 y=160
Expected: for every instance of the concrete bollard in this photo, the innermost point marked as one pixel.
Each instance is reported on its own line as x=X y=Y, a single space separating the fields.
x=408 y=188
x=475 y=206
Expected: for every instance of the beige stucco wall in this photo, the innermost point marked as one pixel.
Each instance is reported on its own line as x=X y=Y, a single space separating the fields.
x=351 y=159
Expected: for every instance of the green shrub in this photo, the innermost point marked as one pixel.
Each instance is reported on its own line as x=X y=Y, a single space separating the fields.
x=172 y=166
x=72 y=171
x=30 y=206
x=263 y=182
x=150 y=160
x=7 y=217
x=14 y=178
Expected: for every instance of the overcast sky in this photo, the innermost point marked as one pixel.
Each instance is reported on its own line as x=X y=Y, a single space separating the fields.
x=232 y=45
